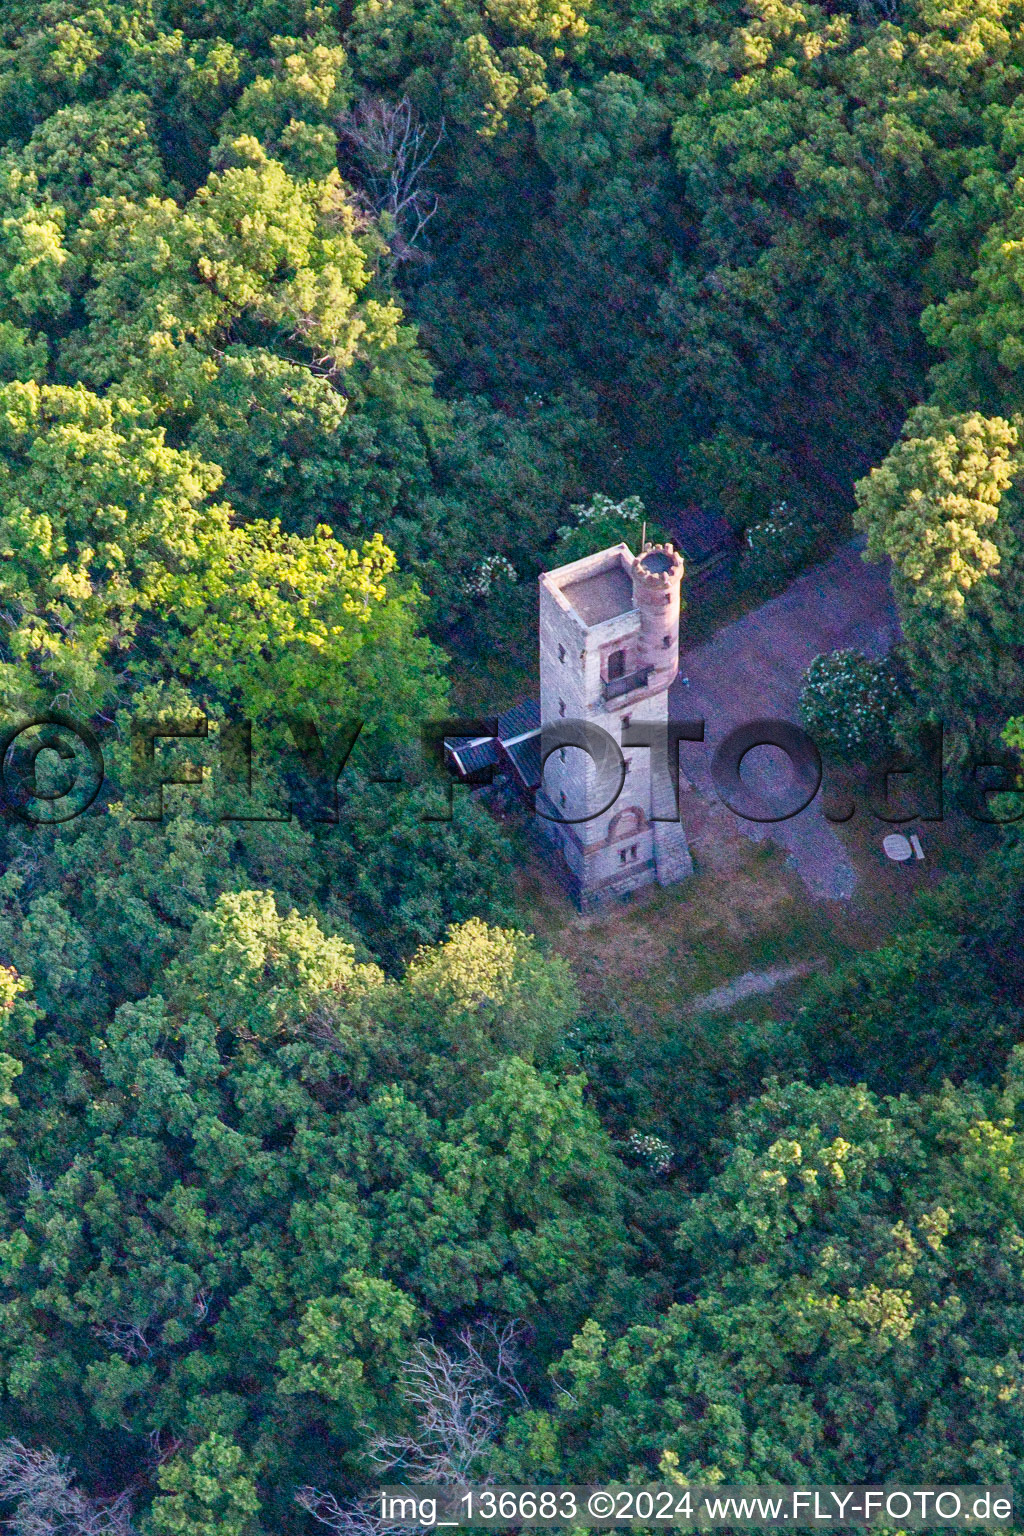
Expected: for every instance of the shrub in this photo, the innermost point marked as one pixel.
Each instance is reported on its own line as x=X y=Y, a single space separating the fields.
x=848 y=703
x=776 y=548
x=602 y=522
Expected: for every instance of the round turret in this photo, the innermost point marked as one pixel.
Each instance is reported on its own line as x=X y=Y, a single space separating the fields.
x=657 y=576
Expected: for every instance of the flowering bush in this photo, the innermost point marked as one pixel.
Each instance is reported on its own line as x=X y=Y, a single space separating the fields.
x=773 y=534
x=651 y=1150
x=848 y=702
x=630 y=510
x=491 y=573
x=602 y=522
x=776 y=547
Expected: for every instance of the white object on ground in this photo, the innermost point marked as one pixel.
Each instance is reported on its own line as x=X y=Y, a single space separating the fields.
x=915 y=843
x=897 y=847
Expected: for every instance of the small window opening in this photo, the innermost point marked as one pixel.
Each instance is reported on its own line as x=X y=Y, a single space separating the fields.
x=616 y=665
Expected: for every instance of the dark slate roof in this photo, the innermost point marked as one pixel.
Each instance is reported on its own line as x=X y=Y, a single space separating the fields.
x=712 y=577
x=519 y=739
x=524 y=756
x=524 y=716
x=697 y=533
x=471 y=756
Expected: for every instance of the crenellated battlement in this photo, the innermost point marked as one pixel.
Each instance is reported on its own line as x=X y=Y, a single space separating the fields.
x=659 y=566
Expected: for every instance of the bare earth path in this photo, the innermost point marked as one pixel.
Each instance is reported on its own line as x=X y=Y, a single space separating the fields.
x=750 y=984
x=752 y=669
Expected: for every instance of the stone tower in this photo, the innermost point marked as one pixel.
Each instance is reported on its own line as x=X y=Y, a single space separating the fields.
x=609 y=649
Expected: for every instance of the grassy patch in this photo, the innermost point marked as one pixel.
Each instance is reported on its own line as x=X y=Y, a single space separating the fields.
x=646 y=957
x=886 y=890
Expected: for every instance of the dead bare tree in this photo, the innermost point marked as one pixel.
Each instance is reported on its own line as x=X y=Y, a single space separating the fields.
x=127 y=1338
x=162 y=1451
x=42 y=1487
x=354 y=1519
x=391 y=151
x=137 y=1338
x=457 y=1415
x=457 y=1397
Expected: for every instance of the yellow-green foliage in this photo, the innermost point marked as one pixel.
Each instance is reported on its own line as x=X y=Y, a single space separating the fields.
x=116 y=554
x=931 y=506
